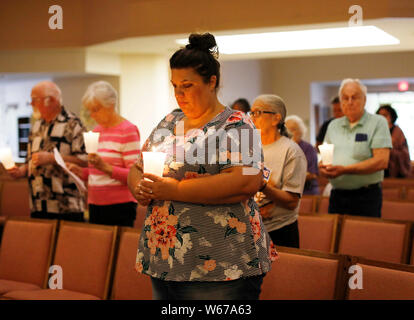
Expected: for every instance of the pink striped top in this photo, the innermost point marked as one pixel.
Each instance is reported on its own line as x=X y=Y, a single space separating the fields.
x=120 y=147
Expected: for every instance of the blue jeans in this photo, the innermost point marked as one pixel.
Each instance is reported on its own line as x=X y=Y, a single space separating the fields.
x=240 y=289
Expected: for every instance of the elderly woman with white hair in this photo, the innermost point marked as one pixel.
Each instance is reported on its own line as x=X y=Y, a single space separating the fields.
x=297 y=128
x=279 y=199
x=110 y=201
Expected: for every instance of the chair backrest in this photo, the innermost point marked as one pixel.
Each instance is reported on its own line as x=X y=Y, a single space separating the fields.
x=318 y=232
x=140 y=217
x=128 y=284
x=85 y=252
x=374 y=239
x=412 y=251
x=398 y=210
x=383 y=281
x=15 y=198
x=26 y=250
x=397 y=183
x=304 y=275
x=392 y=194
x=409 y=195
x=307 y=204
x=323 y=205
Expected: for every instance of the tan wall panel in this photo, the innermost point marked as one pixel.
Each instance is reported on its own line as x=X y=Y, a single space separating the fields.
x=24 y=23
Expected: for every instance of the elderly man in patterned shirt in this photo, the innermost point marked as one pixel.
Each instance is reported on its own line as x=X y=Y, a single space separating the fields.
x=54 y=194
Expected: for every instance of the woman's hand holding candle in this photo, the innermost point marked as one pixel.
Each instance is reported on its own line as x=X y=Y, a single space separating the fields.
x=158 y=188
x=99 y=164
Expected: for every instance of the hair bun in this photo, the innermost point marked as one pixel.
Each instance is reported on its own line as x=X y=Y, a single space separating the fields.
x=204 y=42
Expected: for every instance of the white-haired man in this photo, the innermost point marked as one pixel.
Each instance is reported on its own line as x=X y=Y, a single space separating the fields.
x=53 y=194
x=362 y=147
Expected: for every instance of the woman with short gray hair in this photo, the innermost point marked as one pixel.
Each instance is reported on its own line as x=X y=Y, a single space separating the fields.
x=110 y=201
x=279 y=199
x=297 y=128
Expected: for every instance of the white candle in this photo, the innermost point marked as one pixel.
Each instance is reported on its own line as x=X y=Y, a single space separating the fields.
x=6 y=158
x=327 y=151
x=91 y=141
x=154 y=162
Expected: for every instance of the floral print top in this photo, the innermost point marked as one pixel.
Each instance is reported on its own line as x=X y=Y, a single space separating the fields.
x=183 y=241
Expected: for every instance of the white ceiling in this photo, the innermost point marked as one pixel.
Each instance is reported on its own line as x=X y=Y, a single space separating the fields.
x=401 y=28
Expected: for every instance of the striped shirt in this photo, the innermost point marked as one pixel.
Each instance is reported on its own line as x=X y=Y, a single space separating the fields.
x=120 y=147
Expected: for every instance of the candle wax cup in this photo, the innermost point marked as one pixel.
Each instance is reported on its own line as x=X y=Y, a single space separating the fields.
x=91 y=141
x=154 y=162
x=327 y=151
x=6 y=158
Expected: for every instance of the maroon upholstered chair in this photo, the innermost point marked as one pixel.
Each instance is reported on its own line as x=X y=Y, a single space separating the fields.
x=398 y=210
x=304 y=275
x=15 y=198
x=85 y=252
x=140 y=218
x=323 y=205
x=26 y=253
x=307 y=204
x=392 y=194
x=374 y=239
x=383 y=281
x=128 y=284
x=409 y=194
x=318 y=232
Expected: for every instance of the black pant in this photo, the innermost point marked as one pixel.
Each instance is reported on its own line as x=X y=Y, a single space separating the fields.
x=360 y=202
x=287 y=236
x=72 y=216
x=121 y=214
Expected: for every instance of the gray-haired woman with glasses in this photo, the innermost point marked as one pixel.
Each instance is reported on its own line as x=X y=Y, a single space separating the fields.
x=279 y=200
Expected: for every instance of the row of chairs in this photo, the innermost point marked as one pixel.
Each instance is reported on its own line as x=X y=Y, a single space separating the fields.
x=308 y=275
x=96 y=261
x=391 y=210
x=371 y=238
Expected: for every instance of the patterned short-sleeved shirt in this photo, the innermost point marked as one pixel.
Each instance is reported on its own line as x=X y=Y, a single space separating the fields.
x=195 y=242
x=52 y=190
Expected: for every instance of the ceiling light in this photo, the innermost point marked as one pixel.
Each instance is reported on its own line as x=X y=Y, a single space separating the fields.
x=303 y=40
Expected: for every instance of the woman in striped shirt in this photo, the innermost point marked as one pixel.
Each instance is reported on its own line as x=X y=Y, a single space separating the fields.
x=110 y=201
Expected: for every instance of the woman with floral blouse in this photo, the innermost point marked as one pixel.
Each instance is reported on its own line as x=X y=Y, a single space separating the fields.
x=203 y=237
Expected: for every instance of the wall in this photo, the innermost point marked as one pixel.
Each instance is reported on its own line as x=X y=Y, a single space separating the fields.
x=145 y=91
x=73 y=89
x=14 y=92
x=243 y=79
x=24 y=23
x=292 y=77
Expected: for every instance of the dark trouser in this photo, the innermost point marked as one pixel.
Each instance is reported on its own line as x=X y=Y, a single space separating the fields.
x=365 y=201
x=287 y=236
x=240 y=289
x=72 y=216
x=120 y=214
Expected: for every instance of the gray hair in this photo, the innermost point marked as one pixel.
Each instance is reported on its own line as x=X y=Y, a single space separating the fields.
x=50 y=89
x=277 y=105
x=103 y=93
x=275 y=102
x=349 y=80
x=302 y=127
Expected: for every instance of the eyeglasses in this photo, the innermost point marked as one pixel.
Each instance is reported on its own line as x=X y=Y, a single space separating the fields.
x=37 y=100
x=258 y=113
